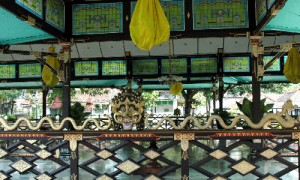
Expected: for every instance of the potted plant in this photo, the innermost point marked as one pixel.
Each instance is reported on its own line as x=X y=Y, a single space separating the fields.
x=77 y=113
x=10 y=118
x=225 y=115
x=246 y=107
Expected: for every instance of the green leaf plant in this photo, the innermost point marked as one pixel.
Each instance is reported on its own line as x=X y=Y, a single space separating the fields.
x=77 y=113
x=246 y=107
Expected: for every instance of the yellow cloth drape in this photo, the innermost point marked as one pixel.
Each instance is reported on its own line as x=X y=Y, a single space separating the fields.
x=47 y=75
x=149 y=25
x=292 y=66
x=176 y=88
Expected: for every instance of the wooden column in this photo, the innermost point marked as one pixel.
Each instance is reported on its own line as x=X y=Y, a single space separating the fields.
x=45 y=93
x=257 y=75
x=66 y=98
x=220 y=76
x=255 y=94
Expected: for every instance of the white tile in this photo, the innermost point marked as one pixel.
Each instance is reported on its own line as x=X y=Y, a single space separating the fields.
x=186 y=46
x=209 y=45
x=112 y=49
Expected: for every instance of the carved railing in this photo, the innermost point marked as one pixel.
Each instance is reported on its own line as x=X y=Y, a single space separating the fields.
x=192 y=154
x=282 y=118
x=168 y=148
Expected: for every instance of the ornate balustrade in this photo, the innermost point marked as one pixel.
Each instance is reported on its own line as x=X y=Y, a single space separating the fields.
x=158 y=154
x=165 y=149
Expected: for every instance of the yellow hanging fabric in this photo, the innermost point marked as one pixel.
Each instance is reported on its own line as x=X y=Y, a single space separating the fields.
x=176 y=88
x=47 y=75
x=149 y=25
x=292 y=66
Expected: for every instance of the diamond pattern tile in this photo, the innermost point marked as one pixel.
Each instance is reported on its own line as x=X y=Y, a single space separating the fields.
x=219 y=178
x=151 y=154
x=243 y=167
x=43 y=177
x=270 y=177
x=104 y=177
x=43 y=154
x=2 y=153
x=152 y=177
x=269 y=153
x=104 y=154
x=3 y=176
x=21 y=166
x=218 y=154
x=128 y=166
x=31 y=141
x=42 y=146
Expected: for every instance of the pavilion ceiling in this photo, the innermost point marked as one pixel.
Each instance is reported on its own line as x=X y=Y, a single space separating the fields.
x=21 y=33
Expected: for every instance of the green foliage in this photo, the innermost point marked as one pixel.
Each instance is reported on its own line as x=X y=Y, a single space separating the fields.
x=77 y=112
x=150 y=97
x=246 y=107
x=93 y=91
x=199 y=99
x=265 y=88
x=225 y=115
x=10 y=96
x=11 y=117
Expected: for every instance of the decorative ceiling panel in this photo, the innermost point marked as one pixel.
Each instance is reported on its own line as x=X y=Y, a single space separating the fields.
x=209 y=45
x=44 y=47
x=89 y=50
x=112 y=49
x=236 y=45
x=135 y=51
x=186 y=46
x=164 y=49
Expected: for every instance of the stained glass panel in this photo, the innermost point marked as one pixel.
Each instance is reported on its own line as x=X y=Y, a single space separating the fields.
x=30 y=70
x=204 y=65
x=114 y=67
x=33 y=6
x=270 y=3
x=174 y=11
x=236 y=64
x=260 y=10
x=97 y=18
x=275 y=66
x=220 y=14
x=174 y=66
x=55 y=14
x=86 y=68
x=7 y=71
x=144 y=67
